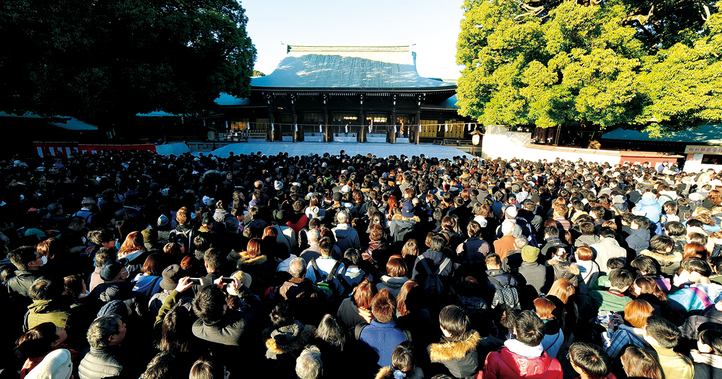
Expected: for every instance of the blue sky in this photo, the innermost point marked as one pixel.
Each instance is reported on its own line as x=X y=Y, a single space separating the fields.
x=433 y=25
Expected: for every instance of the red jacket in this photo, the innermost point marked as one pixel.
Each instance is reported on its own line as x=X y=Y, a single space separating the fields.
x=504 y=364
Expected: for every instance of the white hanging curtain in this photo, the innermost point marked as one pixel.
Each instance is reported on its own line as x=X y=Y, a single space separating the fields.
x=296 y=127
x=320 y=129
x=394 y=129
x=273 y=129
x=346 y=128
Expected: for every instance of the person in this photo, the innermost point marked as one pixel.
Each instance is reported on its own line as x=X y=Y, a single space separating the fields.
x=346 y=236
x=607 y=248
x=309 y=364
x=638 y=362
x=105 y=357
x=533 y=273
x=708 y=355
x=457 y=348
x=524 y=356
x=590 y=361
x=588 y=271
x=663 y=336
x=148 y=280
x=403 y=364
x=378 y=337
x=612 y=300
x=638 y=238
x=636 y=313
x=553 y=335
x=700 y=292
x=284 y=340
x=330 y=338
x=28 y=262
x=498 y=280
x=57 y=364
x=38 y=342
x=395 y=277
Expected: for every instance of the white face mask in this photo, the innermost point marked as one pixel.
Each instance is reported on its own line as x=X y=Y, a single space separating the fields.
x=44 y=259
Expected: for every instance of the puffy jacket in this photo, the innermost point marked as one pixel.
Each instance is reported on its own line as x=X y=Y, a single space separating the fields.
x=504 y=364
x=46 y=311
x=459 y=357
x=346 y=237
x=638 y=240
x=100 y=363
x=648 y=207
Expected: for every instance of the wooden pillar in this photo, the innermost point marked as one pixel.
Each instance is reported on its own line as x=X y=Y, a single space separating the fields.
x=361 y=136
x=295 y=119
x=269 y=131
x=417 y=128
x=326 y=136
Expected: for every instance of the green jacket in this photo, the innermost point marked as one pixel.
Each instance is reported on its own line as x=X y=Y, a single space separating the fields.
x=41 y=311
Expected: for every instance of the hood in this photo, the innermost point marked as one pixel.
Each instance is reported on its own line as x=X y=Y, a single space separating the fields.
x=450 y=350
x=220 y=215
x=343 y=233
x=289 y=339
x=707 y=359
x=248 y=260
x=663 y=259
x=401 y=218
x=571 y=267
x=641 y=233
x=393 y=282
x=526 y=367
x=648 y=202
x=42 y=306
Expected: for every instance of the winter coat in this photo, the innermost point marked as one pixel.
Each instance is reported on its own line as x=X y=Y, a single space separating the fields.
x=19 y=285
x=668 y=262
x=41 y=311
x=605 y=249
x=553 y=337
x=586 y=240
x=402 y=228
x=415 y=373
x=504 y=364
x=289 y=339
x=565 y=270
x=534 y=274
x=148 y=285
x=101 y=362
x=459 y=357
x=648 y=207
x=346 y=237
x=706 y=366
x=687 y=299
x=393 y=284
x=382 y=338
x=638 y=239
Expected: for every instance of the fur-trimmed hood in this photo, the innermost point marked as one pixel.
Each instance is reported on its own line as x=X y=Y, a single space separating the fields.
x=663 y=259
x=402 y=218
x=571 y=267
x=707 y=359
x=289 y=339
x=246 y=260
x=416 y=373
x=449 y=350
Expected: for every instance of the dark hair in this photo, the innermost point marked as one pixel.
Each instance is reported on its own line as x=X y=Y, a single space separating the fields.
x=661 y=243
x=455 y=320
x=281 y=315
x=587 y=228
x=675 y=228
x=642 y=221
x=383 y=306
x=697 y=265
x=607 y=232
x=591 y=359
x=37 y=341
x=529 y=328
x=615 y=263
x=44 y=288
x=649 y=265
x=639 y=362
x=332 y=332
x=353 y=256
x=437 y=243
x=712 y=338
x=664 y=332
x=166 y=364
x=212 y=259
x=621 y=278
x=173 y=330
x=21 y=256
x=151 y=266
x=402 y=358
x=209 y=303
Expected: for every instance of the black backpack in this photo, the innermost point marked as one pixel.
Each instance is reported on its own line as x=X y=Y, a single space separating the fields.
x=505 y=294
x=433 y=286
x=325 y=282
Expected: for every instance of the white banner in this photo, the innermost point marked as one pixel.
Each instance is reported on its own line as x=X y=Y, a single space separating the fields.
x=296 y=127
x=346 y=128
x=273 y=129
x=320 y=129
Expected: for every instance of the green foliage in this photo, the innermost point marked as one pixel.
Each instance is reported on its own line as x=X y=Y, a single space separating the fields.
x=105 y=61
x=561 y=63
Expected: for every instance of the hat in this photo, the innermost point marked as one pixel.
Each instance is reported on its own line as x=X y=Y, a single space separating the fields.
x=163 y=221
x=110 y=270
x=171 y=275
x=245 y=279
x=511 y=212
x=278 y=185
x=55 y=365
x=337 y=196
x=35 y=232
x=345 y=189
x=114 y=307
x=316 y=212
x=407 y=210
x=529 y=253
x=535 y=198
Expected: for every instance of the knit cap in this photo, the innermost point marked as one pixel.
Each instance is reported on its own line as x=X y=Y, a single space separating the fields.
x=529 y=253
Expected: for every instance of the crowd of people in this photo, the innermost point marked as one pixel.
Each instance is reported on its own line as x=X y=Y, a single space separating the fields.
x=136 y=265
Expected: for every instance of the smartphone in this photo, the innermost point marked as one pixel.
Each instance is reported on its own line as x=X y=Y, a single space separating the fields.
x=226 y=280
x=198 y=281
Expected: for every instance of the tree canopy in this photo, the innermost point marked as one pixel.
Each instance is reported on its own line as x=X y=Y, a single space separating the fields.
x=103 y=61
x=602 y=62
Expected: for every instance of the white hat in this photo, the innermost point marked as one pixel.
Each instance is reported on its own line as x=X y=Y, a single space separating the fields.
x=511 y=212
x=278 y=185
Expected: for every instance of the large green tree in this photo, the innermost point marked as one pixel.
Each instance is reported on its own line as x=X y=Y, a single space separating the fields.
x=601 y=62
x=105 y=61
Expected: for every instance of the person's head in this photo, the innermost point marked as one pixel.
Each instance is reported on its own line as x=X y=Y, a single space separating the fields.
x=281 y=315
x=663 y=332
x=212 y=260
x=183 y=216
x=313 y=236
x=376 y=232
x=113 y=271
x=661 y=244
x=587 y=228
x=383 y=306
x=493 y=261
x=615 y=263
x=308 y=363
x=332 y=332
x=640 y=222
x=646 y=265
x=529 y=328
x=26 y=258
x=51 y=248
x=106 y=331
x=454 y=322
x=44 y=288
x=621 y=279
x=297 y=267
x=636 y=313
x=709 y=341
x=694 y=249
x=396 y=266
x=325 y=246
x=352 y=256
x=364 y=293
x=584 y=253
x=133 y=242
x=411 y=298
x=647 y=285
x=209 y=304
x=165 y=364
x=694 y=269
x=437 y=243
x=207 y=369
x=473 y=229
x=151 y=266
x=173 y=335
x=253 y=247
x=590 y=360
x=639 y=362
x=562 y=289
x=544 y=308
x=40 y=339
x=402 y=358
x=675 y=228
x=411 y=248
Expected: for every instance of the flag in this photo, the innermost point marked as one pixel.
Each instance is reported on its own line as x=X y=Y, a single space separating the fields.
x=320 y=129
x=296 y=127
x=273 y=129
x=346 y=128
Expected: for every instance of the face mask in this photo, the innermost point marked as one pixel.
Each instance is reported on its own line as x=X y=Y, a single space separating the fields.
x=44 y=260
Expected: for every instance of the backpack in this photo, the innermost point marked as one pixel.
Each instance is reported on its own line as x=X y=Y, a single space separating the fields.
x=403 y=234
x=325 y=282
x=433 y=286
x=505 y=294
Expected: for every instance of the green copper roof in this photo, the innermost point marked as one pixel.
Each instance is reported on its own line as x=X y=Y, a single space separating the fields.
x=704 y=134
x=348 y=67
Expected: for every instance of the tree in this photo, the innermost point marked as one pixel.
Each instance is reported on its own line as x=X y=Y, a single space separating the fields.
x=596 y=63
x=105 y=61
